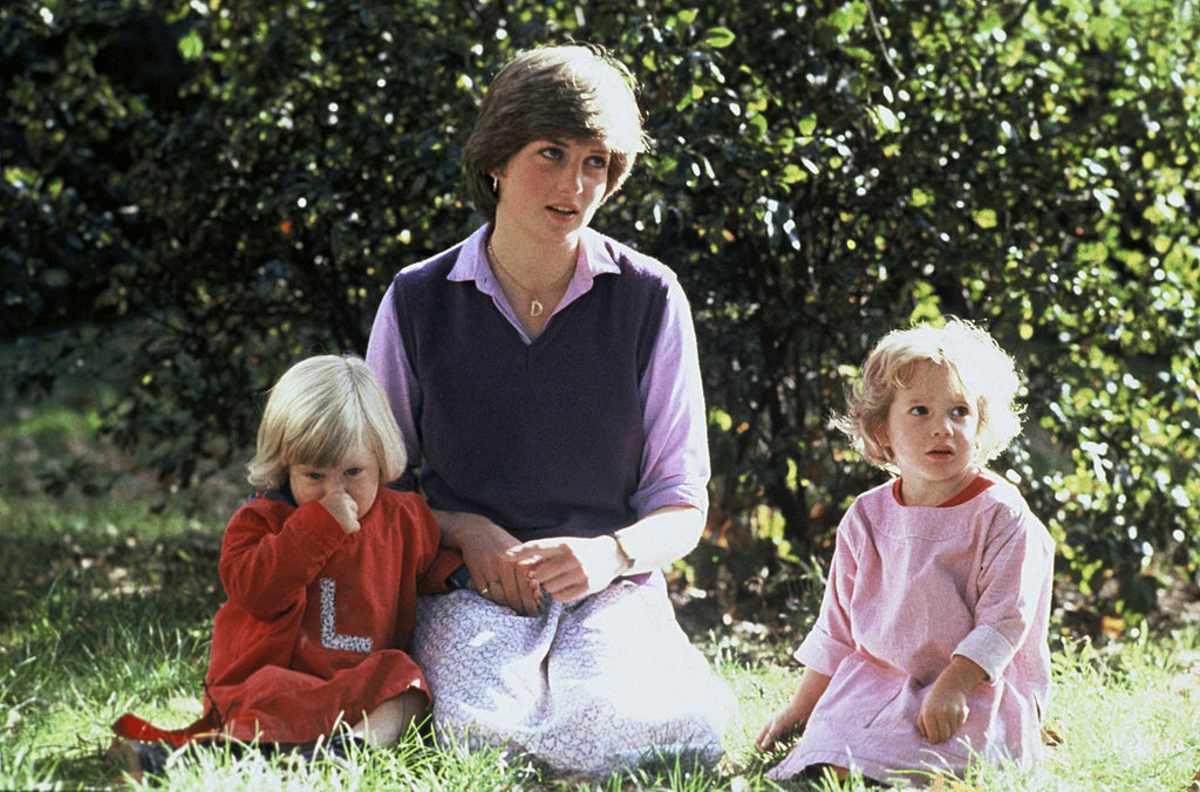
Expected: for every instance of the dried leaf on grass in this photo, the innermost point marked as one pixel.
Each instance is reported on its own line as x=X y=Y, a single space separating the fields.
x=951 y=784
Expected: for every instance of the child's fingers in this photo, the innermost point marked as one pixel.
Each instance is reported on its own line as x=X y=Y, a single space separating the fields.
x=767 y=737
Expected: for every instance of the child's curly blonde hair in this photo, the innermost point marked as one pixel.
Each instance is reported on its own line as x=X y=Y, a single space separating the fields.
x=984 y=372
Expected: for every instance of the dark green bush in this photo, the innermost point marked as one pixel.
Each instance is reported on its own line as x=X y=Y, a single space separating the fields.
x=824 y=172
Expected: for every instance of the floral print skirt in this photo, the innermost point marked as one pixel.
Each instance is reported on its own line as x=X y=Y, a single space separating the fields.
x=600 y=685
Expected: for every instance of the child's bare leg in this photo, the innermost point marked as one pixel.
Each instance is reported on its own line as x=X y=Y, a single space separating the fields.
x=388 y=722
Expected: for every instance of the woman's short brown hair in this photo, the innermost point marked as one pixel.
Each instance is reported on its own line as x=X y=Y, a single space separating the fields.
x=570 y=92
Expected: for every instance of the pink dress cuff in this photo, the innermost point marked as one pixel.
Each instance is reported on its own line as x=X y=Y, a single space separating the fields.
x=988 y=649
x=820 y=652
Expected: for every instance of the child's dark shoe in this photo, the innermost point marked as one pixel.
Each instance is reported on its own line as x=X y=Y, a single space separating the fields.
x=139 y=758
x=338 y=748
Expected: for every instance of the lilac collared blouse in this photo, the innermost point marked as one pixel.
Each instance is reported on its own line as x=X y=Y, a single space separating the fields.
x=675 y=463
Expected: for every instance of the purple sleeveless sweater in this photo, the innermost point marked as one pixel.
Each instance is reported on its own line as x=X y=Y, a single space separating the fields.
x=544 y=439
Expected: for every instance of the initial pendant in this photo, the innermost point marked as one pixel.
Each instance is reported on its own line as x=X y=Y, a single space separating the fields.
x=535 y=308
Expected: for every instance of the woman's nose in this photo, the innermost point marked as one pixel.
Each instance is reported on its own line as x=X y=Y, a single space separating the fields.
x=573 y=179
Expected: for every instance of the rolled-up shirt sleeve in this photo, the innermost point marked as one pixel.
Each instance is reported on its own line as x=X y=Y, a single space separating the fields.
x=1016 y=566
x=675 y=463
x=387 y=357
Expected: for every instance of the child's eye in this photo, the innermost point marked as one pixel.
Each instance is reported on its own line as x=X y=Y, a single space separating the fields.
x=313 y=475
x=961 y=411
x=354 y=471
x=918 y=410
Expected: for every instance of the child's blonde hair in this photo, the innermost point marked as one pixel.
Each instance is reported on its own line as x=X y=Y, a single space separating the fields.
x=986 y=374
x=318 y=411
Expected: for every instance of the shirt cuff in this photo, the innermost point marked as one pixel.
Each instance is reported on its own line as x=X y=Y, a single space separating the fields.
x=821 y=653
x=988 y=649
x=683 y=494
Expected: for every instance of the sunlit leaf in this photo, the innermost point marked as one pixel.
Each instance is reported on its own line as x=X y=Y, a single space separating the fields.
x=718 y=37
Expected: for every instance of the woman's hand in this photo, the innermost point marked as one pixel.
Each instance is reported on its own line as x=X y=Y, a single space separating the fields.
x=569 y=567
x=495 y=574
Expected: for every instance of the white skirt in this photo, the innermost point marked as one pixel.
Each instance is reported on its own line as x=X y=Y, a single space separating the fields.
x=597 y=686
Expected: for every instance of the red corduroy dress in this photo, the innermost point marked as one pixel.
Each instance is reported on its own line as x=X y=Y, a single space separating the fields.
x=318 y=621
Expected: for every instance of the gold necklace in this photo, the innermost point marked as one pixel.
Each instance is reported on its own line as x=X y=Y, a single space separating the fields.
x=536 y=308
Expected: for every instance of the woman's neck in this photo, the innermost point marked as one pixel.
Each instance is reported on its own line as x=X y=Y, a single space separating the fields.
x=535 y=264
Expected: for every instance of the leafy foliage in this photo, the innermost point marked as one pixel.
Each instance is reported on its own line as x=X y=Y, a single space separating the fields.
x=240 y=180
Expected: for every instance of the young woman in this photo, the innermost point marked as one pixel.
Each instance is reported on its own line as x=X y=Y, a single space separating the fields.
x=546 y=379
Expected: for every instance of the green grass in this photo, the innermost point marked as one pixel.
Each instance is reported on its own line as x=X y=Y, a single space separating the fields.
x=109 y=603
x=112 y=608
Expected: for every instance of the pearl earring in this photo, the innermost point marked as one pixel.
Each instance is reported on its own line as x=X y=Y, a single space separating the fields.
x=495 y=185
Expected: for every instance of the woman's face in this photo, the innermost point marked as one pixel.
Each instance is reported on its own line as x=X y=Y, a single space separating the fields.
x=550 y=189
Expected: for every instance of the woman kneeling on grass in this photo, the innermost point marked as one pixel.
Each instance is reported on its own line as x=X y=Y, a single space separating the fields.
x=545 y=378
x=322 y=569
x=930 y=647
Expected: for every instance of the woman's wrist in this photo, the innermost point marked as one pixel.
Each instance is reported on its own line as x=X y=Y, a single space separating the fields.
x=661 y=537
x=624 y=560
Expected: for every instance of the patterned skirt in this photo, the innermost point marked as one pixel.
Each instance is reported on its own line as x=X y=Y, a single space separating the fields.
x=597 y=686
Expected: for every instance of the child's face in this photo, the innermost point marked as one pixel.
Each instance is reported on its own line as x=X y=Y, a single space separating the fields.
x=930 y=429
x=357 y=474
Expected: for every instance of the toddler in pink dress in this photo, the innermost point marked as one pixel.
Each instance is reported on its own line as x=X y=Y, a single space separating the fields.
x=930 y=648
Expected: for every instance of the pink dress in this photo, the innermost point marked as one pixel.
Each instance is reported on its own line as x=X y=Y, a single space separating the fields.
x=908 y=588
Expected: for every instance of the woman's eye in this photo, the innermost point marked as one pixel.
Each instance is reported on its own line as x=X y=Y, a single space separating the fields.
x=598 y=162
x=552 y=153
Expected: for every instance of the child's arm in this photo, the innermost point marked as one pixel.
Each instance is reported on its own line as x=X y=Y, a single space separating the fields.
x=945 y=708
x=829 y=642
x=1013 y=586
x=265 y=565
x=796 y=712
